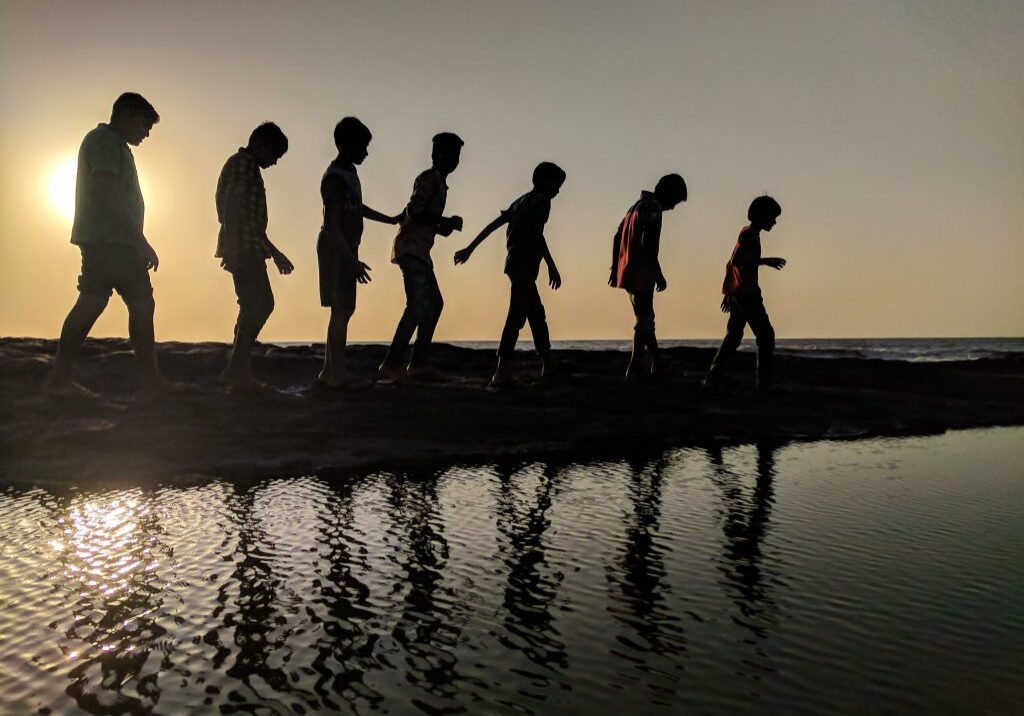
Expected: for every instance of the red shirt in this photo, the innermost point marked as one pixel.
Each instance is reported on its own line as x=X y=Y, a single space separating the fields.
x=635 y=252
x=741 y=270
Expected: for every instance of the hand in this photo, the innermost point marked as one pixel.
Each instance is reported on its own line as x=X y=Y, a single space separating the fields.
x=725 y=304
x=148 y=256
x=456 y=222
x=554 y=278
x=611 y=278
x=283 y=264
x=660 y=284
x=445 y=228
x=362 y=272
x=775 y=263
x=462 y=255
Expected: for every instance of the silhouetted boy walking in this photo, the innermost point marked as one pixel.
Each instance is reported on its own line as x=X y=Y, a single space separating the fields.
x=420 y=223
x=337 y=246
x=526 y=218
x=116 y=256
x=743 y=300
x=243 y=246
x=635 y=265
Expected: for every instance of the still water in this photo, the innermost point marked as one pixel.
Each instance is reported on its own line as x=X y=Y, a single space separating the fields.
x=881 y=576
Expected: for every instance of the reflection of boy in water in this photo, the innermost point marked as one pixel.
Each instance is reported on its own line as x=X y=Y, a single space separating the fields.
x=116 y=256
x=635 y=265
x=743 y=300
x=527 y=246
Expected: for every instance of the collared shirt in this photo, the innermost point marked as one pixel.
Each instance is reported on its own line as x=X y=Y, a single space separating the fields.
x=105 y=151
x=525 y=234
x=341 y=188
x=241 y=181
x=637 y=241
x=416 y=235
x=741 y=270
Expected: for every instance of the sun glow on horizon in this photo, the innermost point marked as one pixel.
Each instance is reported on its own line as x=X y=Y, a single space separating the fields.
x=60 y=188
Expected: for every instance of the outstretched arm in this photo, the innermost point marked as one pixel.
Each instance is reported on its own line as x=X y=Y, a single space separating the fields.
x=463 y=255
x=374 y=215
x=773 y=261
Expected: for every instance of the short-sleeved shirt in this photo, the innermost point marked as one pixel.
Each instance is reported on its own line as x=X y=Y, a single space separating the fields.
x=416 y=235
x=104 y=151
x=638 y=239
x=241 y=180
x=741 y=270
x=340 y=187
x=527 y=216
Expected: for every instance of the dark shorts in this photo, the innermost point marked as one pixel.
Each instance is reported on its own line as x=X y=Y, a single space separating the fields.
x=643 y=309
x=114 y=267
x=337 y=281
x=252 y=285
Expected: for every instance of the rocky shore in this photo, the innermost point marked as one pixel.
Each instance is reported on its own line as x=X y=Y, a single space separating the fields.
x=586 y=410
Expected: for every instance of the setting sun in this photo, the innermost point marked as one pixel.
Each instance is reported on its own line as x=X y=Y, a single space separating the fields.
x=60 y=187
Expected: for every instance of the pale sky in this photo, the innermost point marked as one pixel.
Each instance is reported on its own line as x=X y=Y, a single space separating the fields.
x=892 y=133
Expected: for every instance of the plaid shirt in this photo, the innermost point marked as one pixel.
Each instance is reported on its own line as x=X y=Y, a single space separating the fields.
x=241 y=181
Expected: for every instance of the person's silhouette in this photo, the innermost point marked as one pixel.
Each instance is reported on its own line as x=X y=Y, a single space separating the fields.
x=743 y=300
x=337 y=246
x=421 y=222
x=526 y=217
x=116 y=256
x=635 y=265
x=243 y=246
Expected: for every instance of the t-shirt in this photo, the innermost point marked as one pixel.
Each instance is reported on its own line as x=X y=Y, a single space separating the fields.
x=340 y=187
x=635 y=264
x=103 y=150
x=416 y=235
x=527 y=216
x=741 y=270
x=241 y=180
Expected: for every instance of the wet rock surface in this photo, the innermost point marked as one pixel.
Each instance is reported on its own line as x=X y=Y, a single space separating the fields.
x=586 y=408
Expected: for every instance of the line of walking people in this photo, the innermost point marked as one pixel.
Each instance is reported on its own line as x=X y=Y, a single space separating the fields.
x=116 y=256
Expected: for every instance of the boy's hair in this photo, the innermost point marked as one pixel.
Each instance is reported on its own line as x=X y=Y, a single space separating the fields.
x=132 y=104
x=548 y=173
x=269 y=135
x=447 y=142
x=671 y=185
x=763 y=207
x=351 y=131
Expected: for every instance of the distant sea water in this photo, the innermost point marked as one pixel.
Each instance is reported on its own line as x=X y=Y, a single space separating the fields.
x=926 y=350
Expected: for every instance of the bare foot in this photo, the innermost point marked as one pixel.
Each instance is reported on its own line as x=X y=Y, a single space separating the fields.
x=501 y=376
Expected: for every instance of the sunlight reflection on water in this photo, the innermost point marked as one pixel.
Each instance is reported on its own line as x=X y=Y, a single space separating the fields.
x=803 y=578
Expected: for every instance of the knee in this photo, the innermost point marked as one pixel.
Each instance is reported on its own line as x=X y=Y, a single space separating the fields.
x=142 y=306
x=438 y=304
x=766 y=338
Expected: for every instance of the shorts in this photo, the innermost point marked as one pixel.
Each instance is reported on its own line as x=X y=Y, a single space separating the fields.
x=643 y=309
x=337 y=280
x=114 y=267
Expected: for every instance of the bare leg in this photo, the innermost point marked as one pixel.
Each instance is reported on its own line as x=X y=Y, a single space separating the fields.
x=140 y=330
x=77 y=325
x=636 y=356
x=335 y=372
x=651 y=342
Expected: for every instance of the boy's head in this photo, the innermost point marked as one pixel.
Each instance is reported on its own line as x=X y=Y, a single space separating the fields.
x=446 y=152
x=764 y=211
x=670 y=190
x=352 y=138
x=548 y=179
x=267 y=144
x=133 y=116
